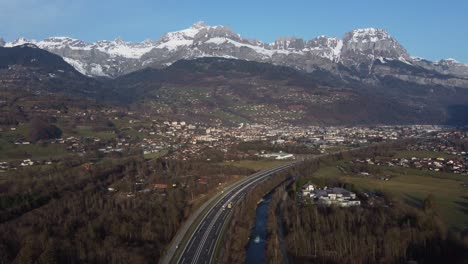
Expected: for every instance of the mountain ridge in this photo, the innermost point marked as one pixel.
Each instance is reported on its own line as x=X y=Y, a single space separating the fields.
x=116 y=58
x=231 y=91
x=29 y=68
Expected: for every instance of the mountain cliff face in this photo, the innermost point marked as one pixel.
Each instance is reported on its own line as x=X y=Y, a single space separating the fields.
x=354 y=57
x=367 y=45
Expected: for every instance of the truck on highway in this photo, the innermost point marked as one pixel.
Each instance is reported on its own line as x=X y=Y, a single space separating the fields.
x=229 y=206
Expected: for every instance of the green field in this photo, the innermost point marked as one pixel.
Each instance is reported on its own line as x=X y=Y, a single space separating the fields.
x=156 y=155
x=10 y=151
x=256 y=164
x=423 y=154
x=412 y=186
x=85 y=131
x=334 y=149
x=21 y=132
x=228 y=116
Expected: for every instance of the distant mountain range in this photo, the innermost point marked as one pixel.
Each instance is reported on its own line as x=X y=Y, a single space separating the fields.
x=210 y=74
x=364 y=54
x=231 y=91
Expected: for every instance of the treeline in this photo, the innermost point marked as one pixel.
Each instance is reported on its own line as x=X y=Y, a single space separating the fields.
x=43 y=129
x=395 y=234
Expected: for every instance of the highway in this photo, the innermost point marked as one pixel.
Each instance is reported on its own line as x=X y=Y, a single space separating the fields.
x=202 y=242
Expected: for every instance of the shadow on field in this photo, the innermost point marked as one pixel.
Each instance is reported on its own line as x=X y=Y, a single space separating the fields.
x=413 y=200
x=463 y=205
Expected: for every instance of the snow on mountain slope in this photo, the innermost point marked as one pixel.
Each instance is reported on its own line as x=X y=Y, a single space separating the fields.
x=124 y=49
x=182 y=38
x=79 y=66
x=115 y=48
x=326 y=47
x=94 y=69
x=368 y=35
x=114 y=58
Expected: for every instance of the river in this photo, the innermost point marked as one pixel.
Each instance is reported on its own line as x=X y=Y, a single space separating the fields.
x=258 y=236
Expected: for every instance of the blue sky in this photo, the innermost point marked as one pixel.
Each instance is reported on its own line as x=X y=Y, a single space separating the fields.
x=429 y=29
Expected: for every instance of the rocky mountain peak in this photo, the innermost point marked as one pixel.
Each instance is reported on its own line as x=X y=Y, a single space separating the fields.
x=368 y=44
x=119 y=41
x=288 y=43
x=324 y=42
x=451 y=66
x=18 y=42
x=448 y=61
x=61 y=42
x=367 y=35
x=199 y=24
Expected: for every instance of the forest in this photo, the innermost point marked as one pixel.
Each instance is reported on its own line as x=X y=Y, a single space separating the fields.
x=396 y=234
x=66 y=214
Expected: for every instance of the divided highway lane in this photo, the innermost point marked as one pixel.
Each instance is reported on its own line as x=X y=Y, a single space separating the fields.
x=177 y=243
x=202 y=244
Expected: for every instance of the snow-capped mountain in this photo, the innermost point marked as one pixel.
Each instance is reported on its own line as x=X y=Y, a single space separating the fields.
x=360 y=49
x=367 y=45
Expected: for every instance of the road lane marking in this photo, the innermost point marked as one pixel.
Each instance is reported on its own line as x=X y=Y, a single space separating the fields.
x=248 y=182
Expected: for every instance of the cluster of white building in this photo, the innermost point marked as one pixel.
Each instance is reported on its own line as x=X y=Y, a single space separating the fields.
x=329 y=196
x=278 y=155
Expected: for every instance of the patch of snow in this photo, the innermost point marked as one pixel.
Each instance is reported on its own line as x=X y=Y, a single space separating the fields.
x=113 y=48
x=258 y=49
x=78 y=65
x=381 y=59
x=448 y=60
x=336 y=52
x=404 y=60
x=96 y=70
x=176 y=39
x=452 y=60
x=365 y=35
x=18 y=42
x=217 y=40
x=203 y=55
x=133 y=52
x=415 y=58
x=174 y=44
